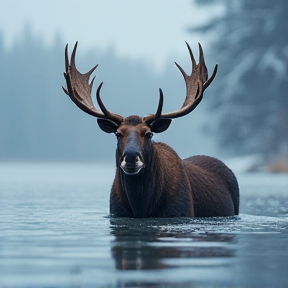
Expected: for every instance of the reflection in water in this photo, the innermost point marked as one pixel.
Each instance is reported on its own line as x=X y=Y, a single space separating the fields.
x=142 y=244
x=242 y=250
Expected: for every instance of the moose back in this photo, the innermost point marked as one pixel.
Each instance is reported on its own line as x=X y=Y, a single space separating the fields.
x=151 y=180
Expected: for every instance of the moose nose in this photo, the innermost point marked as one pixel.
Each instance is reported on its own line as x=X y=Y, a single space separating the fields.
x=131 y=163
x=130 y=156
x=132 y=149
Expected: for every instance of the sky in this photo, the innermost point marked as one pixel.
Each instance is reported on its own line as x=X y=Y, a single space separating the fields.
x=153 y=31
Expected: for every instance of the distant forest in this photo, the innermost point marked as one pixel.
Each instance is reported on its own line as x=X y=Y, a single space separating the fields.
x=38 y=122
x=251 y=44
x=244 y=111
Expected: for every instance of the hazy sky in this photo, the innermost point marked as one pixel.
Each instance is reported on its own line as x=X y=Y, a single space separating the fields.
x=154 y=31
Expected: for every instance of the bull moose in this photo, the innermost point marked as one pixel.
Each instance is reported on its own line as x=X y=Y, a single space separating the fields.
x=151 y=179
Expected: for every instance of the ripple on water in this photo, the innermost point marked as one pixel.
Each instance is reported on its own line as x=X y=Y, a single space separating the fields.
x=221 y=225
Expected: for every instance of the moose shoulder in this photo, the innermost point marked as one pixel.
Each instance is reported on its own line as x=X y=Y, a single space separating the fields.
x=151 y=179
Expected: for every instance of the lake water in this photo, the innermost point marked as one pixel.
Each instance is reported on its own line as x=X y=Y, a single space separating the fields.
x=55 y=231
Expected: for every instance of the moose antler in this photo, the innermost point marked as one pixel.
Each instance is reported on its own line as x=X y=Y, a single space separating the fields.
x=79 y=89
x=196 y=84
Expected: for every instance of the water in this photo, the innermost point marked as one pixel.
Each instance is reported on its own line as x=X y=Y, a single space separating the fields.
x=55 y=231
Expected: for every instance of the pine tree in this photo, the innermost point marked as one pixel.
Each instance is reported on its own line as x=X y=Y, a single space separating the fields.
x=251 y=44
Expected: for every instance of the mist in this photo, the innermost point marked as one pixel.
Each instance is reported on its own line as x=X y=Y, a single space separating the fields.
x=243 y=112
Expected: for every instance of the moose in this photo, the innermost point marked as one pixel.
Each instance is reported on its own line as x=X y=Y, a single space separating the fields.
x=151 y=179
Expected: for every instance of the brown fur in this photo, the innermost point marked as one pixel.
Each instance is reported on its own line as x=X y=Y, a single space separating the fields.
x=199 y=186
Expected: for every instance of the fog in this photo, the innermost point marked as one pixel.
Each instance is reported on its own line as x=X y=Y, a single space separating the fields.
x=136 y=55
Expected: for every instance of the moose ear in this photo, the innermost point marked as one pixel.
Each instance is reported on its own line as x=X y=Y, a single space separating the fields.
x=107 y=125
x=160 y=125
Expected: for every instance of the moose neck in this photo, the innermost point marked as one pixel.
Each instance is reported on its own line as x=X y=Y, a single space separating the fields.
x=139 y=189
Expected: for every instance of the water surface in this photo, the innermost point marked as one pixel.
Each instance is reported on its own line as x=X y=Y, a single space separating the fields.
x=55 y=231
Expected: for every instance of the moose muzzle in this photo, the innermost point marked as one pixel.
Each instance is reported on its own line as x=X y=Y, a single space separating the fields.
x=132 y=160
x=131 y=165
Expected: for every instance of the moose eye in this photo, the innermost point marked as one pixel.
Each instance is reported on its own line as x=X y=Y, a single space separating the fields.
x=118 y=135
x=148 y=135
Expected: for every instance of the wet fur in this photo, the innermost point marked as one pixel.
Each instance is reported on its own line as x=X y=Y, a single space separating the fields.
x=199 y=186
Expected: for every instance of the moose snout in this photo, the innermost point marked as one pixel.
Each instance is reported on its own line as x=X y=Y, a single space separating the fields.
x=131 y=162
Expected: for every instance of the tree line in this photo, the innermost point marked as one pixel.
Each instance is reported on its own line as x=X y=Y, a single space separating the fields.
x=250 y=41
x=244 y=110
x=38 y=122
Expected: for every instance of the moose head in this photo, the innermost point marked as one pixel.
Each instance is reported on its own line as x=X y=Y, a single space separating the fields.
x=134 y=133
